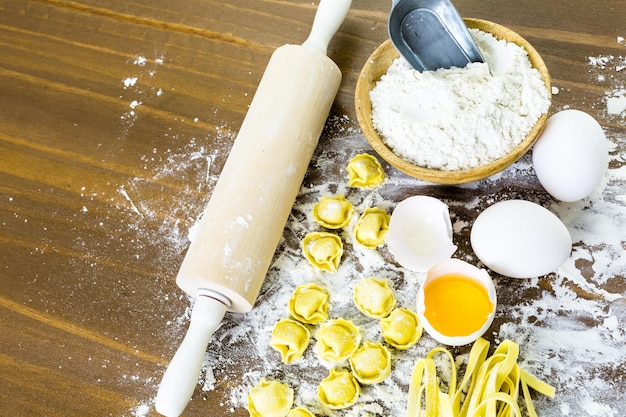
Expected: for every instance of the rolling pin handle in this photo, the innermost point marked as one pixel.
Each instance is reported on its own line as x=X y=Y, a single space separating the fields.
x=181 y=376
x=329 y=16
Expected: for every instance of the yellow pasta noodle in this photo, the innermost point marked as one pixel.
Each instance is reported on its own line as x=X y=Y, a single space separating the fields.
x=490 y=386
x=374 y=297
x=309 y=304
x=365 y=171
x=337 y=340
x=333 y=212
x=371 y=363
x=270 y=399
x=300 y=412
x=372 y=227
x=401 y=328
x=323 y=250
x=339 y=389
x=290 y=339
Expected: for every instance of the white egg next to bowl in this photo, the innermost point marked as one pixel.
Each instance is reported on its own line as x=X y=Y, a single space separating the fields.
x=520 y=239
x=571 y=155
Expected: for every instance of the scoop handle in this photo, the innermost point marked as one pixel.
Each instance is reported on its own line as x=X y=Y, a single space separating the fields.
x=181 y=376
x=329 y=16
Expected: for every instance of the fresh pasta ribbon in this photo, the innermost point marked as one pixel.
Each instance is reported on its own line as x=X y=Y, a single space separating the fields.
x=491 y=386
x=423 y=392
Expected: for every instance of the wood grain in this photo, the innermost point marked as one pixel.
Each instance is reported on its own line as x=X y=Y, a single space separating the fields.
x=99 y=101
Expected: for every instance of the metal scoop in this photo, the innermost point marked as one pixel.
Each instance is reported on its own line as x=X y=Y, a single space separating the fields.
x=430 y=34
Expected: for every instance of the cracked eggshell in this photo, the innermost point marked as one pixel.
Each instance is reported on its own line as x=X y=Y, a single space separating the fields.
x=520 y=239
x=420 y=233
x=459 y=268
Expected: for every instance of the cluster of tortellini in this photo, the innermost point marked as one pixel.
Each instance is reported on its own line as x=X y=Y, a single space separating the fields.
x=375 y=298
x=324 y=250
x=290 y=336
x=338 y=341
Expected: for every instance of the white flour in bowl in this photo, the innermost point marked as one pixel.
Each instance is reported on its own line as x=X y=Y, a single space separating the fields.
x=460 y=118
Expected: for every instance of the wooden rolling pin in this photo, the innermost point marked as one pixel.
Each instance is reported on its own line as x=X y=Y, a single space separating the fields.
x=243 y=222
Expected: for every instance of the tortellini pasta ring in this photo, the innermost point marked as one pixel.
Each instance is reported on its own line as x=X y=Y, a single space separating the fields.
x=339 y=389
x=290 y=339
x=300 y=412
x=270 y=399
x=372 y=227
x=371 y=363
x=323 y=250
x=337 y=340
x=365 y=171
x=333 y=212
x=309 y=304
x=374 y=297
x=401 y=329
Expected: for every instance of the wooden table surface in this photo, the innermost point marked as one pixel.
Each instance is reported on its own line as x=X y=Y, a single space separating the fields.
x=115 y=119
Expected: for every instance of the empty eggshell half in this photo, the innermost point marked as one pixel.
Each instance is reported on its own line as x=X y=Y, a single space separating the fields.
x=520 y=239
x=420 y=233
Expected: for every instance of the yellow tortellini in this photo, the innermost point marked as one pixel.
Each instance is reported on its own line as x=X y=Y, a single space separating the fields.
x=300 y=412
x=374 y=297
x=339 y=389
x=323 y=250
x=372 y=227
x=401 y=329
x=371 y=363
x=309 y=304
x=337 y=340
x=290 y=339
x=365 y=171
x=333 y=212
x=270 y=399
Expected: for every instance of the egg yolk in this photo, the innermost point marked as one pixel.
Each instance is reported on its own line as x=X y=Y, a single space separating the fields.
x=456 y=305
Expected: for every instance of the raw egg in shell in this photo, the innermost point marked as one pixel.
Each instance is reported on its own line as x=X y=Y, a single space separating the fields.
x=520 y=239
x=456 y=303
x=420 y=233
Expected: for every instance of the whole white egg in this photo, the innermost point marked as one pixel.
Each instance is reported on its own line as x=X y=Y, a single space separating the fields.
x=520 y=239
x=571 y=155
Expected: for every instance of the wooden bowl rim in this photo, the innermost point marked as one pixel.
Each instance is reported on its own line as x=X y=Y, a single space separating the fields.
x=377 y=65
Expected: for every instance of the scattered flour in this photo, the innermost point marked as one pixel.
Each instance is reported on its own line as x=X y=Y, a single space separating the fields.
x=616 y=102
x=143 y=69
x=610 y=71
x=460 y=118
x=570 y=325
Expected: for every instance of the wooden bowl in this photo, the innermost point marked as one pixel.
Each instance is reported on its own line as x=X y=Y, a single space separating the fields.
x=377 y=65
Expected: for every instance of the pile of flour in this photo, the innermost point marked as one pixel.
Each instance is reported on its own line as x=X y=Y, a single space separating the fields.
x=460 y=118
